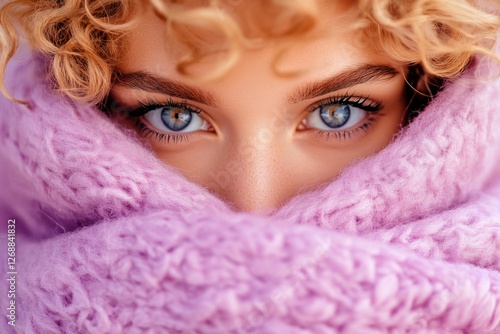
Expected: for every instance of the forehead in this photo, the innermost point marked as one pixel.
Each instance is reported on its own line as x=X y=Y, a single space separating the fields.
x=333 y=38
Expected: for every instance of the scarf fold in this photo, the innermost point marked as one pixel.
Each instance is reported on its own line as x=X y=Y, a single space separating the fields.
x=111 y=240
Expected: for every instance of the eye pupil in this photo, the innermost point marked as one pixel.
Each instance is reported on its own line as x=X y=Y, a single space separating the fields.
x=334 y=115
x=176 y=119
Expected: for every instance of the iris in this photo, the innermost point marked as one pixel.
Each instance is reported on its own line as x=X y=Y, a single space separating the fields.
x=334 y=115
x=176 y=119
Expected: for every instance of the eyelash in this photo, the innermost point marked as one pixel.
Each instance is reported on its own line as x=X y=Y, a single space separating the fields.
x=371 y=107
x=349 y=99
x=361 y=102
x=152 y=104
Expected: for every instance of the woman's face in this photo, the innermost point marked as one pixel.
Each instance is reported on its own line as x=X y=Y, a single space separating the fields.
x=256 y=138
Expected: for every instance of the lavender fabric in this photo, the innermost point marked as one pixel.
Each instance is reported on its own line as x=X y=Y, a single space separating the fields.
x=111 y=240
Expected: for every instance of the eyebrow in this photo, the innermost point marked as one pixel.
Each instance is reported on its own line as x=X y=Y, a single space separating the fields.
x=346 y=79
x=151 y=83
x=155 y=84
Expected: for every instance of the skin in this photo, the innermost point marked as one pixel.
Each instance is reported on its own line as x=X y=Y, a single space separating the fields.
x=257 y=152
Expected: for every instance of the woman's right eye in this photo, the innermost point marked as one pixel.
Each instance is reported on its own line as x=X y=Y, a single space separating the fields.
x=173 y=119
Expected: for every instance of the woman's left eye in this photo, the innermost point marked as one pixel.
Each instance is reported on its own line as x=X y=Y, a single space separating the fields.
x=335 y=116
x=172 y=119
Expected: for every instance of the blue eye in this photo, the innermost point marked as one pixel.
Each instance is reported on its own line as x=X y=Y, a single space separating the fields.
x=175 y=119
x=335 y=117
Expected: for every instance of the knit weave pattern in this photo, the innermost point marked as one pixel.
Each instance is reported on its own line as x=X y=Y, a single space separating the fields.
x=111 y=240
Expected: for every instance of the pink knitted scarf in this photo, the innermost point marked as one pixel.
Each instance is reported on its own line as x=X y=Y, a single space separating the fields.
x=108 y=239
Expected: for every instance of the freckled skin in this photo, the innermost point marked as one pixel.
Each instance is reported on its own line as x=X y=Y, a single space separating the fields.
x=258 y=153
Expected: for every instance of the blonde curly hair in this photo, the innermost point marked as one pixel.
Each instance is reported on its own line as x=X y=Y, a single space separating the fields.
x=83 y=38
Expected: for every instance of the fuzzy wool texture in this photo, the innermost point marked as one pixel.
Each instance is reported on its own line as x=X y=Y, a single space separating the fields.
x=111 y=240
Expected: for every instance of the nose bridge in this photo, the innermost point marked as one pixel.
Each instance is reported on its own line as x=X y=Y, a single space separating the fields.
x=252 y=173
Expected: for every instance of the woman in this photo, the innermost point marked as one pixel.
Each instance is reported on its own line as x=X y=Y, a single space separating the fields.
x=254 y=167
